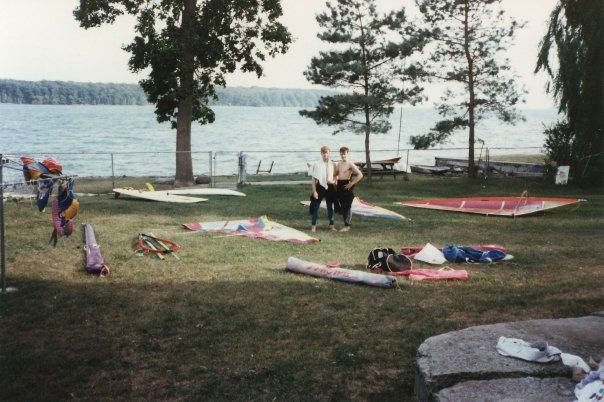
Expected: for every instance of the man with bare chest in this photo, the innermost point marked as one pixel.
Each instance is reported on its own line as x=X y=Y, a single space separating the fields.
x=344 y=172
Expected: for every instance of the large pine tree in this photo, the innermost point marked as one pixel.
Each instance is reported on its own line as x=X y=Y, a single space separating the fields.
x=469 y=37
x=367 y=63
x=188 y=47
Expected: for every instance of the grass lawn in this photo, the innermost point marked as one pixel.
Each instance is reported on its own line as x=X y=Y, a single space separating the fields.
x=227 y=323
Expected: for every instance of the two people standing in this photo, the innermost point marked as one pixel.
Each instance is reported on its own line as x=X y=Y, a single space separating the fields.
x=333 y=182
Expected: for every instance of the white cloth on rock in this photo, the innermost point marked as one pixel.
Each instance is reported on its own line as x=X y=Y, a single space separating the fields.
x=545 y=353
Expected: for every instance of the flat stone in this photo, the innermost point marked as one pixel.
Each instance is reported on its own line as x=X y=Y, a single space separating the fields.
x=599 y=313
x=471 y=354
x=527 y=389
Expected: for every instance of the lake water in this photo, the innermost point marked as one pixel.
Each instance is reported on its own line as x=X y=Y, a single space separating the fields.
x=267 y=134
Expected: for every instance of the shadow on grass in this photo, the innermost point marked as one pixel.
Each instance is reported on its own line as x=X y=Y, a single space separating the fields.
x=290 y=337
x=225 y=340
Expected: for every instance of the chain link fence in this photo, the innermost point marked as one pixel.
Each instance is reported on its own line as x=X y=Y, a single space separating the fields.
x=224 y=167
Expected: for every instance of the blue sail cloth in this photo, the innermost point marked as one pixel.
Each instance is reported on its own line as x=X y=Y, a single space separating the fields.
x=43 y=193
x=468 y=254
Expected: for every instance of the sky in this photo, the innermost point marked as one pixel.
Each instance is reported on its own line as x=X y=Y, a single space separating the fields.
x=39 y=39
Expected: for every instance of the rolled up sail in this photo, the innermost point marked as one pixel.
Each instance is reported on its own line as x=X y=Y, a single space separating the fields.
x=339 y=274
x=95 y=264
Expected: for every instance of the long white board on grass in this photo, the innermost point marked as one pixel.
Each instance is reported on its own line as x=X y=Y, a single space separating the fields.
x=157 y=196
x=201 y=191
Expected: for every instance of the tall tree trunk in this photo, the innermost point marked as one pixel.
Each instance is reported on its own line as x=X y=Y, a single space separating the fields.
x=472 y=103
x=367 y=153
x=367 y=133
x=366 y=105
x=184 y=163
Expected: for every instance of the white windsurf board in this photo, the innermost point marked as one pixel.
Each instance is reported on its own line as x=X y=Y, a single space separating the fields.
x=201 y=191
x=158 y=196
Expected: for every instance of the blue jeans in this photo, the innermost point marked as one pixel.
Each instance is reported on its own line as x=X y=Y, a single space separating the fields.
x=315 y=212
x=329 y=196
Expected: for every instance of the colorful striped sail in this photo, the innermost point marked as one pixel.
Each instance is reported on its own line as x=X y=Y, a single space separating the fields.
x=364 y=208
x=258 y=228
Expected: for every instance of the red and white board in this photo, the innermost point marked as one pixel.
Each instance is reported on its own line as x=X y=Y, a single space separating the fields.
x=499 y=206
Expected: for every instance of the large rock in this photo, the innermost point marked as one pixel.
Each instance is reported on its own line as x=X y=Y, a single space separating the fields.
x=471 y=354
x=527 y=389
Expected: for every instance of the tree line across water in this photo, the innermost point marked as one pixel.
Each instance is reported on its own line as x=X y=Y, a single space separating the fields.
x=89 y=93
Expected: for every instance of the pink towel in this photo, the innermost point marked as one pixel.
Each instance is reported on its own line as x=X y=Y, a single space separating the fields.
x=436 y=274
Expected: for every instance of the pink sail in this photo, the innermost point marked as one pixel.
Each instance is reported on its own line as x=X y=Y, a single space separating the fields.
x=499 y=206
x=364 y=208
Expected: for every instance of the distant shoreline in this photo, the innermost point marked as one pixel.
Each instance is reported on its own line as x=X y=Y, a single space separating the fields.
x=418 y=107
x=86 y=93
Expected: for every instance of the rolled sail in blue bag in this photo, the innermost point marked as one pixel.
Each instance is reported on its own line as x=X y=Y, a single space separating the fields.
x=468 y=254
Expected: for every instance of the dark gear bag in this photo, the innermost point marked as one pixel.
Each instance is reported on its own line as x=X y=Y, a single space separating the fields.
x=386 y=260
x=377 y=258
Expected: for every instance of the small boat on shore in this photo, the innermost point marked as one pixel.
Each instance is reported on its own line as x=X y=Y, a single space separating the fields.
x=518 y=169
x=388 y=160
x=424 y=169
